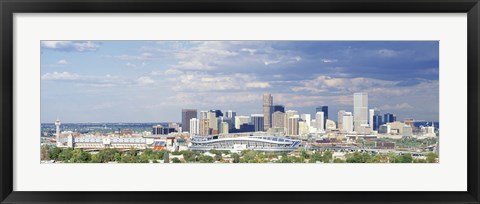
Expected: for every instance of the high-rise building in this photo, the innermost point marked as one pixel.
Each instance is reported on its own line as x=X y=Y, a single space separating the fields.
x=267 y=110
x=194 y=126
x=57 y=131
x=223 y=128
x=278 y=120
x=303 y=128
x=203 y=114
x=218 y=113
x=360 y=109
x=240 y=119
x=289 y=114
x=370 y=116
x=340 y=119
x=160 y=130
x=389 y=118
x=230 y=114
x=347 y=122
x=307 y=118
x=292 y=126
x=204 y=127
x=377 y=121
x=330 y=125
x=323 y=109
x=319 y=117
x=212 y=121
x=279 y=108
x=257 y=120
x=188 y=114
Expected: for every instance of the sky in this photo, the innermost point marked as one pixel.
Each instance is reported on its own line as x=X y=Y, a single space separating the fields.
x=151 y=81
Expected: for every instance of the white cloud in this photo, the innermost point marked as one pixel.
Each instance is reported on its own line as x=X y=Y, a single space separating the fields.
x=387 y=53
x=329 y=60
x=269 y=62
x=142 y=56
x=346 y=85
x=206 y=82
x=60 y=76
x=80 y=46
x=250 y=51
x=145 y=80
x=131 y=65
x=62 y=62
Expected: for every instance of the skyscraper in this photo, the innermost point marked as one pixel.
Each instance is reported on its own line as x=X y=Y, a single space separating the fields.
x=319 y=117
x=194 y=126
x=347 y=122
x=204 y=127
x=360 y=109
x=307 y=118
x=293 y=126
x=257 y=121
x=218 y=113
x=230 y=114
x=212 y=122
x=223 y=128
x=240 y=120
x=323 y=109
x=388 y=118
x=340 y=119
x=188 y=114
x=279 y=108
x=289 y=114
x=377 y=121
x=278 y=120
x=267 y=110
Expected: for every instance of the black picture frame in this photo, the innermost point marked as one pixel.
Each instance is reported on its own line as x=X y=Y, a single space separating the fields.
x=10 y=7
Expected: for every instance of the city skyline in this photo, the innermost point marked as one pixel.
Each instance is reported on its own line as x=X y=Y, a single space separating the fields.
x=147 y=81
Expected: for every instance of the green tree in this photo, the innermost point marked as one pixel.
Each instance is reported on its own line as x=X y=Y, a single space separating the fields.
x=431 y=157
x=66 y=155
x=54 y=152
x=166 y=158
x=327 y=156
x=406 y=158
x=176 y=160
x=79 y=156
x=205 y=159
x=236 y=158
x=337 y=160
x=317 y=156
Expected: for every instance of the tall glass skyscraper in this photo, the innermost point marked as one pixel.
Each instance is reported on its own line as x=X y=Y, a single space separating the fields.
x=267 y=110
x=279 y=108
x=187 y=115
x=323 y=109
x=360 y=109
x=257 y=120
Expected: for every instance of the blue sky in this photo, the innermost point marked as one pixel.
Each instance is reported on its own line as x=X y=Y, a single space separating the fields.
x=151 y=81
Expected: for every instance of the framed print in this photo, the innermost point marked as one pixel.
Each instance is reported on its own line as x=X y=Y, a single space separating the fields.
x=256 y=102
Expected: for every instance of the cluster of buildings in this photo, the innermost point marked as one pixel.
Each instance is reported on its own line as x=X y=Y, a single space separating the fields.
x=274 y=130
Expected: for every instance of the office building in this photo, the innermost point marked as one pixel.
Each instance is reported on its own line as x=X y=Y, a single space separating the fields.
x=292 y=126
x=330 y=125
x=57 y=132
x=279 y=108
x=340 y=119
x=303 y=128
x=203 y=114
x=360 y=109
x=160 y=130
x=188 y=114
x=218 y=113
x=323 y=109
x=230 y=114
x=204 y=127
x=289 y=114
x=212 y=121
x=319 y=117
x=223 y=128
x=267 y=110
x=377 y=121
x=389 y=118
x=239 y=120
x=307 y=118
x=278 y=119
x=194 y=126
x=347 y=122
x=257 y=120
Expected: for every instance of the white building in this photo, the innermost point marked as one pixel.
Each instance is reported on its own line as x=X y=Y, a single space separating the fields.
x=340 y=119
x=360 y=109
x=330 y=125
x=241 y=119
x=319 y=121
x=307 y=118
x=194 y=126
x=347 y=122
x=303 y=128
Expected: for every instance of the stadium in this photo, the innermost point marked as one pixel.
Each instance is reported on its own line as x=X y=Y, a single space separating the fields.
x=235 y=144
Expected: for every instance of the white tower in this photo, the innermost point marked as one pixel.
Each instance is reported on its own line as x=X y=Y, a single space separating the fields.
x=57 y=133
